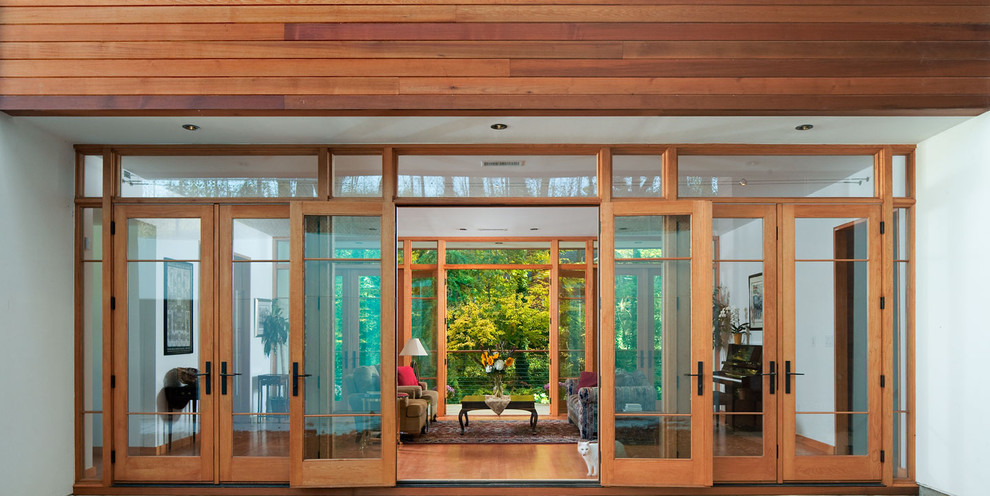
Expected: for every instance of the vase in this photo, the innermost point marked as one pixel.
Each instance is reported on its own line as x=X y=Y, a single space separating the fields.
x=497 y=403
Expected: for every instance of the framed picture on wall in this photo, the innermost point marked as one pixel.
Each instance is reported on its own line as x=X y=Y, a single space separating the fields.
x=756 y=301
x=178 y=301
x=262 y=309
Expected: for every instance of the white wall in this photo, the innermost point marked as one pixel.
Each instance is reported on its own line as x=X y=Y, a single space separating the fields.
x=953 y=325
x=36 y=358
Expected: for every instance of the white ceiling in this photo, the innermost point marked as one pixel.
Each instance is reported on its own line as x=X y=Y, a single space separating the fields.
x=477 y=130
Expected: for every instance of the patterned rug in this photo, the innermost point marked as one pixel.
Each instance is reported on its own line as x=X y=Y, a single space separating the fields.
x=548 y=431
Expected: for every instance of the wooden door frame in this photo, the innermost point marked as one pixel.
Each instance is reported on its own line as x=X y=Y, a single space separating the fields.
x=372 y=472
x=828 y=467
x=241 y=468
x=162 y=468
x=759 y=468
x=696 y=471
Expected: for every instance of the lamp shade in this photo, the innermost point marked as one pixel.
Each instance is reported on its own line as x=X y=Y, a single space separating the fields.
x=413 y=347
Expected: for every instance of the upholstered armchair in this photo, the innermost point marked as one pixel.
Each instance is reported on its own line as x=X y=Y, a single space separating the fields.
x=412 y=415
x=419 y=391
x=582 y=408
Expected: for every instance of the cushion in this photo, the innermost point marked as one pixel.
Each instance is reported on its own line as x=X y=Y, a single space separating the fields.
x=406 y=376
x=588 y=379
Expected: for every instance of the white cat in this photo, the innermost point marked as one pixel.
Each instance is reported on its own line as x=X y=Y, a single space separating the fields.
x=589 y=451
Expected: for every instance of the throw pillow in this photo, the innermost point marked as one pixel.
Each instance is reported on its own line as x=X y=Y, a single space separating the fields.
x=588 y=379
x=406 y=376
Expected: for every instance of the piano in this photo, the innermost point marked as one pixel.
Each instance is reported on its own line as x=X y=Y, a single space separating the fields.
x=740 y=385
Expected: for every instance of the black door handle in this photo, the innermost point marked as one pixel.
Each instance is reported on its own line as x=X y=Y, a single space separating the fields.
x=773 y=377
x=209 y=377
x=787 y=376
x=295 y=378
x=701 y=376
x=223 y=377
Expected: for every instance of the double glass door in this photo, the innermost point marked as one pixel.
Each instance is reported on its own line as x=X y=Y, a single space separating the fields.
x=775 y=378
x=201 y=343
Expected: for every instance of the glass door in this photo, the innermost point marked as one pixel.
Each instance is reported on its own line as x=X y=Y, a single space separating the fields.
x=744 y=342
x=830 y=376
x=253 y=369
x=656 y=392
x=342 y=376
x=164 y=377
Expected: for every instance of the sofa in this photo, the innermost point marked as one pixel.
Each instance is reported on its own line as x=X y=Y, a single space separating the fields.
x=633 y=392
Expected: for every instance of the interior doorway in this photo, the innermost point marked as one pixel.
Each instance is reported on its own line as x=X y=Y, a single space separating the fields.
x=498 y=294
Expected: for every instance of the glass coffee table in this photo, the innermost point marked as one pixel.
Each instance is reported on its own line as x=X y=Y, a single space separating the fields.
x=524 y=402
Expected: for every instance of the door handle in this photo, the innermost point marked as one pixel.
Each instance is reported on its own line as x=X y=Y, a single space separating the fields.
x=701 y=376
x=773 y=377
x=209 y=377
x=223 y=377
x=787 y=376
x=295 y=378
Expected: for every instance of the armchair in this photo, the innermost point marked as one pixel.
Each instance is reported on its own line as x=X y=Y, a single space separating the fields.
x=418 y=391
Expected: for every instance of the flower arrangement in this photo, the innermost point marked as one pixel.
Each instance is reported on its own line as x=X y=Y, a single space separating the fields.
x=495 y=363
x=450 y=391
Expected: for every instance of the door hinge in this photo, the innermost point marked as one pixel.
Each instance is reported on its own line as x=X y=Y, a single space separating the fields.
x=113 y=228
x=882 y=229
x=113 y=303
x=113 y=456
x=883 y=380
x=883 y=302
x=113 y=381
x=882 y=456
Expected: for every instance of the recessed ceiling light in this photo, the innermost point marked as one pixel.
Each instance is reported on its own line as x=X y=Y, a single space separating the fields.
x=462 y=229
x=743 y=182
x=804 y=127
x=499 y=242
x=190 y=127
x=534 y=229
x=498 y=126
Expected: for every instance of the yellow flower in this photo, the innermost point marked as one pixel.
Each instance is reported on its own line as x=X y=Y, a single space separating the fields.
x=496 y=355
x=509 y=361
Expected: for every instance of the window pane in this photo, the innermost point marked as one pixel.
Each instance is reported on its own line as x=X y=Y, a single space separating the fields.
x=342 y=437
x=900 y=344
x=343 y=237
x=768 y=176
x=357 y=176
x=535 y=176
x=92 y=232
x=424 y=323
x=900 y=175
x=653 y=437
x=738 y=435
x=92 y=176
x=571 y=252
x=219 y=176
x=424 y=252
x=658 y=236
x=638 y=176
x=831 y=238
x=261 y=330
x=92 y=336
x=738 y=239
x=261 y=435
x=901 y=235
x=92 y=449
x=831 y=434
x=901 y=457
x=160 y=239
x=261 y=239
x=165 y=435
x=498 y=252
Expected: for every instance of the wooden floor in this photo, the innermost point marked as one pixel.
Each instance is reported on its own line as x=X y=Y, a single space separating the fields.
x=490 y=461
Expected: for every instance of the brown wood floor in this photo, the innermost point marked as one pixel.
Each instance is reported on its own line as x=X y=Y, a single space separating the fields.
x=490 y=461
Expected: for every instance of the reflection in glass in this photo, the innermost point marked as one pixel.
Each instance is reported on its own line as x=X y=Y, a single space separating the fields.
x=831 y=434
x=160 y=239
x=827 y=239
x=570 y=330
x=164 y=435
x=357 y=176
x=342 y=337
x=92 y=176
x=219 y=176
x=261 y=435
x=900 y=452
x=571 y=252
x=92 y=335
x=343 y=237
x=342 y=437
x=775 y=176
x=830 y=341
x=424 y=324
x=453 y=176
x=653 y=437
x=92 y=232
x=637 y=176
x=261 y=334
x=424 y=252
x=653 y=337
x=163 y=331
x=900 y=345
x=92 y=448
x=738 y=435
x=657 y=236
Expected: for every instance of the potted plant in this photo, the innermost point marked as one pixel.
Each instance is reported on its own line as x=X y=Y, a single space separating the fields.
x=274 y=335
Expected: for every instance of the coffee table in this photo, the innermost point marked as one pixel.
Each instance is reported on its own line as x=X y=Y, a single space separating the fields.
x=523 y=402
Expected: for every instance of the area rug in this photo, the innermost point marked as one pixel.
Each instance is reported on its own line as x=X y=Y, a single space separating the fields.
x=549 y=431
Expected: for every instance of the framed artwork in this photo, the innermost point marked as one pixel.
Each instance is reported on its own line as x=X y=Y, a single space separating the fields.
x=178 y=302
x=262 y=308
x=756 y=301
